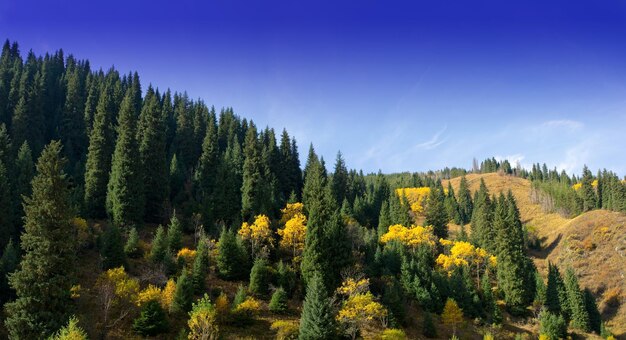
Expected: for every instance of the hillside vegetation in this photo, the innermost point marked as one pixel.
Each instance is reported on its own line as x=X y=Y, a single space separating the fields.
x=593 y=243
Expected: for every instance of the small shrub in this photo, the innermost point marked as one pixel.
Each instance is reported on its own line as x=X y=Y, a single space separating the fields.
x=553 y=326
x=286 y=330
x=393 y=334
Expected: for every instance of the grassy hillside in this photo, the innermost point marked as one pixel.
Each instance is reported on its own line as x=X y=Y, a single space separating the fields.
x=593 y=244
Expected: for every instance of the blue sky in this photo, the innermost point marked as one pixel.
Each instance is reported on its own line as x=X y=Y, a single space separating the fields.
x=396 y=86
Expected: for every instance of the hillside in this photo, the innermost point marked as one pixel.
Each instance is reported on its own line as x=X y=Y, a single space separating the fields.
x=594 y=244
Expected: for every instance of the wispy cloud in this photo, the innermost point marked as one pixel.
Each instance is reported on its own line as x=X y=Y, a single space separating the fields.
x=568 y=124
x=434 y=142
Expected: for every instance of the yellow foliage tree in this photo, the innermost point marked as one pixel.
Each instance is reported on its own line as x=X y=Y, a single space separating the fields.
x=188 y=255
x=350 y=286
x=148 y=294
x=259 y=233
x=452 y=316
x=285 y=330
x=359 y=310
x=465 y=254
x=222 y=306
x=416 y=198
x=116 y=292
x=412 y=236
x=203 y=320
x=291 y=210
x=167 y=296
x=293 y=235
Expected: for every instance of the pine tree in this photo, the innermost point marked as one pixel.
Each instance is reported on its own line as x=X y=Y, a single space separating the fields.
x=465 y=202
x=8 y=264
x=152 y=320
x=556 y=294
x=482 y=214
x=99 y=154
x=206 y=173
x=259 y=278
x=251 y=189
x=7 y=227
x=112 y=248
x=595 y=320
x=200 y=265
x=125 y=191
x=576 y=299
x=435 y=212
x=131 y=248
x=70 y=332
x=159 y=249
x=384 y=219
x=25 y=170
x=174 y=234
x=230 y=260
x=153 y=157
x=28 y=122
x=43 y=282
x=72 y=124
x=278 y=302
x=587 y=191
x=317 y=321
x=183 y=295
x=340 y=179
x=451 y=205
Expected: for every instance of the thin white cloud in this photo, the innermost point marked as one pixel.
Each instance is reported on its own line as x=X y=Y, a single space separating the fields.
x=434 y=142
x=568 y=124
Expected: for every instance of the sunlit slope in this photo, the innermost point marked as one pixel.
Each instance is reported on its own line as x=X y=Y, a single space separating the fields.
x=594 y=243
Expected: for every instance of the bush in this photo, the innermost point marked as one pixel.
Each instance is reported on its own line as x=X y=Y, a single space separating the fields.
x=286 y=330
x=151 y=321
x=132 y=244
x=240 y=296
x=245 y=311
x=70 y=332
x=203 y=320
x=393 y=334
x=278 y=303
x=553 y=326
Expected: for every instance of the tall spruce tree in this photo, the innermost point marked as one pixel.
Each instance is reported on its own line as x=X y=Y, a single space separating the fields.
x=251 y=188
x=482 y=214
x=465 y=202
x=340 y=179
x=125 y=191
x=153 y=157
x=587 y=191
x=435 y=212
x=206 y=173
x=317 y=321
x=43 y=281
x=575 y=297
x=7 y=226
x=112 y=248
x=24 y=172
x=99 y=153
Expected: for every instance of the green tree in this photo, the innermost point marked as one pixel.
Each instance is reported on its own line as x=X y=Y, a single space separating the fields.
x=552 y=325
x=231 y=261
x=278 y=303
x=125 y=191
x=7 y=228
x=200 y=265
x=586 y=190
x=206 y=173
x=595 y=320
x=576 y=299
x=482 y=214
x=251 y=189
x=8 y=264
x=131 y=248
x=153 y=156
x=112 y=248
x=556 y=294
x=174 y=234
x=43 y=281
x=435 y=212
x=259 y=278
x=465 y=202
x=28 y=122
x=429 y=330
x=183 y=295
x=99 y=154
x=318 y=319
x=340 y=179
x=159 y=249
x=25 y=170
x=152 y=320
x=72 y=124
x=70 y=332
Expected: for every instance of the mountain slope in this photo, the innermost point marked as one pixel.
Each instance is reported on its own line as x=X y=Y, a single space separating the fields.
x=593 y=244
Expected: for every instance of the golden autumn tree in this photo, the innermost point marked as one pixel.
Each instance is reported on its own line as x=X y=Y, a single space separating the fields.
x=416 y=198
x=258 y=234
x=117 y=294
x=167 y=295
x=289 y=211
x=452 y=315
x=463 y=253
x=203 y=320
x=411 y=236
x=359 y=308
x=150 y=293
x=293 y=234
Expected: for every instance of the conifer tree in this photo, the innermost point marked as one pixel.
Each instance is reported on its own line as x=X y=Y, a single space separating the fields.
x=428 y=329
x=131 y=248
x=28 y=122
x=595 y=320
x=8 y=264
x=174 y=234
x=384 y=219
x=259 y=278
x=42 y=284
x=251 y=189
x=452 y=206
x=576 y=299
x=7 y=228
x=340 y=179
x=99 y=154
x=159 y=249
x=200 y=266
x=152 y=320
x=112 y=248
x=317 y=321
x=72 y=124
x=183 y=295
x=125 y=191
x=465 y=201
x=25 y=170
x=206 y=173
x=153 y=157
x=399 y=210
x=587 y=191
x=482 y=213
x=556 y=294
x=278 y=302
x=435 y=212
x=230 y=260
